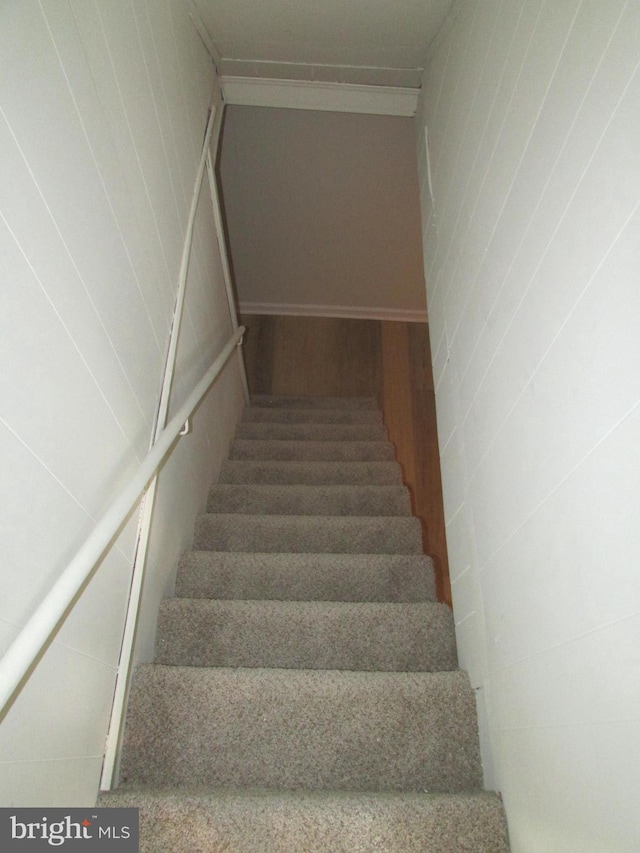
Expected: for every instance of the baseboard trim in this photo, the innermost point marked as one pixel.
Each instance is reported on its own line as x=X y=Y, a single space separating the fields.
x=344 y=311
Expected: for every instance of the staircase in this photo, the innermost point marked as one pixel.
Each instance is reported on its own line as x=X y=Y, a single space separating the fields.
x=305 y=694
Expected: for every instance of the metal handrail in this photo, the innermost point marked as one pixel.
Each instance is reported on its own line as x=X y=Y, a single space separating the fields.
x=34 y=637
x=121 y=689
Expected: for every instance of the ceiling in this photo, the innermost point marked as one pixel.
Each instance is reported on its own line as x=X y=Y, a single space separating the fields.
x=363 y=42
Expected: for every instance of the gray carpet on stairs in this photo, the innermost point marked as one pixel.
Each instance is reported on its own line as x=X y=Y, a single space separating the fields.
x=308 y=534
x=311 y=451
x=310 y=432
x=309 y=500
x=282 y=401
x=256 y=414
x=317 y=473
x=302 y=729
x=306 y=635
x=192 y=821
x=306 y=577
x=305 y=694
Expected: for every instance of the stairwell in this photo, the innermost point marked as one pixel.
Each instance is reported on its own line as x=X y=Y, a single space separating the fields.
x=305 y=694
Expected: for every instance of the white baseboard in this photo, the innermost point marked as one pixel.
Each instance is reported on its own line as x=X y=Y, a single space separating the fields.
x=346 y=311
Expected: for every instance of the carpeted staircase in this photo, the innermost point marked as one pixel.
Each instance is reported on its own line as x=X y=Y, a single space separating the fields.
x=305 y=694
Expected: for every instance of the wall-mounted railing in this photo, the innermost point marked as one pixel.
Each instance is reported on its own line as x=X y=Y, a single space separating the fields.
x=207 y=159
x=34 y=637
x=26 y=650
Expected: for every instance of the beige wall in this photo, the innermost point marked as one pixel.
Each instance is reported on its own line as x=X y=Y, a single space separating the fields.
x=104 y=107
x=533 y=267
x=323 y=210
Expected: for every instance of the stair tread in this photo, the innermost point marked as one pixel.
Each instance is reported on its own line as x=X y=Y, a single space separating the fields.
x=258 y=821
x=301 y=499
x=282 y=450
x=310 y=432
x=311 y=473
x=380 y=636
x=315 y=729
x=324 y=577
x=297 y=533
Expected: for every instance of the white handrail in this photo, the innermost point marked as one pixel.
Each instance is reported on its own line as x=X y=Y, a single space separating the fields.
x=167 y=379
x=211 y=140
x=35 y=635
x=224 y=259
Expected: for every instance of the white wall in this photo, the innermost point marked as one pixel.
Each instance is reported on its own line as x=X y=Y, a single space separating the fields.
x=103 y=112
x=323 y=212
x=532 y=263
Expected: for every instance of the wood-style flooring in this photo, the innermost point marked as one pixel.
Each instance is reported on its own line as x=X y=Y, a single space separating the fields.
x=388 y=360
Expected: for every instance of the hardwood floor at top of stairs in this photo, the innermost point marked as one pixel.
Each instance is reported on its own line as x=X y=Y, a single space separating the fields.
x=389 y=361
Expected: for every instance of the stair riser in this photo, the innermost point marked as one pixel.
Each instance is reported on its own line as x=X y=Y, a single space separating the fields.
x=312 y=473
x=310 y=432
x=302 y=730
x=282 y=402
x=306 y=577
x=365 y=637
x=254 y=414
x=312 y=451
x=310 y=500
x=301 y=534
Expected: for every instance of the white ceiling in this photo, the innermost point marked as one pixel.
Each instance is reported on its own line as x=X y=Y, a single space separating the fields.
x=364 y=42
